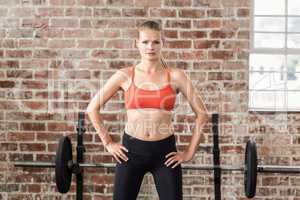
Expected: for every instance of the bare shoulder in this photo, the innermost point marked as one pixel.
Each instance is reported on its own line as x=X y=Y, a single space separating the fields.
x=177 y=75
x=124 y=74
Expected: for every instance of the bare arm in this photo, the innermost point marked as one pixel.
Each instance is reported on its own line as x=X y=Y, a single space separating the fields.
x=184 y=85
x=112 y=85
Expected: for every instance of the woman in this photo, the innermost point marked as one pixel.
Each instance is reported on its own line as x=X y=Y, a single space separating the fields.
x=148 y=142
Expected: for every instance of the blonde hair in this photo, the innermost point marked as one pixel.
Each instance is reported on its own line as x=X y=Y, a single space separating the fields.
x=156 y=26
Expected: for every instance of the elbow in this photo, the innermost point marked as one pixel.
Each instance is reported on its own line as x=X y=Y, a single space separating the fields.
x=90 y=109
x=203 y=117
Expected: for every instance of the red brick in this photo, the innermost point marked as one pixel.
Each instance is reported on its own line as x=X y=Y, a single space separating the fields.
x=32 y=147
x=119 y=44
x=224 y=55
x=207 y=23
x=234 y=3
x=77 y=95
x=8 y=146
x=63 y=105
x=191 y=55
x=35 y=23
x=92 y=2
x=235 y=86
x=26 y=74
x=9 y=43
x=146 y=3
x=162 y=12
x=243 y=12
x=62 y=2
x=48 y=116
x=61 y=44
x=9 y=64
x=19 y=115
x=20 y=157
x=191 y=13
x=32 y=188
x=85 y=23
x=20 y=136
x=178 y=24
x=20 y=33
x=45 y=53
x=220 y=76
x=79 y=12
x=134 y=12
x=90 y=44
x=107 y=12
x=105 y=54
x=64 y=23
x=222 y=34
x=125 y=3
x=35 y=105
x=30 y=84
x=30 y=126
x=170 y=34
x=48 y=95
x=177 y=3
x=50 y=12
x=113 y=23
x=243 y=35
x=60 y=126
x=18 y=53
x=207 y=65
x=91 y=64
x=206 y=44
x=215 y=12
x=47 y=136
x=180 y=44
x=7 y=84
x=193 y=34
x=237 y=45
x=77 y=33
x=8 y=105
x=51 y=33
x=35 y=63
x=72 y=54
x=237 y=65
x=103 y=179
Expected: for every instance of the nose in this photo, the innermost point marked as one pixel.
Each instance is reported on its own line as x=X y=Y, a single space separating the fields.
x=150 y=45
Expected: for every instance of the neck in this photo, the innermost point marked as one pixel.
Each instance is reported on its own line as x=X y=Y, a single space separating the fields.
x=150 y=66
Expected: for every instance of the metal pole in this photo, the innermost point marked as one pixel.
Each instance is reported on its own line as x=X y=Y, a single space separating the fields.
x=277 y=169
x=108 y=165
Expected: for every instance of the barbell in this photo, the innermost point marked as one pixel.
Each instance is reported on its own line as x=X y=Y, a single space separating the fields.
x=65 y=166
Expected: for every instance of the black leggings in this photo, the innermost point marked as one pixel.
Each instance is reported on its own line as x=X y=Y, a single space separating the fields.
x=147 y=156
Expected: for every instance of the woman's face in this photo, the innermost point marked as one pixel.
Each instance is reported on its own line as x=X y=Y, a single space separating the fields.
x=149 y=44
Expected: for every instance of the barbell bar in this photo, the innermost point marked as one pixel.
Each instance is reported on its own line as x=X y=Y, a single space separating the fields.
x=90 y=165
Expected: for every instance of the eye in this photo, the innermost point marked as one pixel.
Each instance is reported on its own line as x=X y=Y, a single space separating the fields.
x=145 y=42
x=156 y=42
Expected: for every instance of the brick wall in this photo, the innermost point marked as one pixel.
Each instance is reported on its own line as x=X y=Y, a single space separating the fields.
x=56 y=54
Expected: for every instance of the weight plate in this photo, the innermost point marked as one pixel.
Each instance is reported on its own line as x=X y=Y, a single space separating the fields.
x=250 y=176
x=63 y=175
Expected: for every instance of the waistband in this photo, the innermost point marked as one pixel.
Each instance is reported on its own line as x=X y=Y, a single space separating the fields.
x=149 y=148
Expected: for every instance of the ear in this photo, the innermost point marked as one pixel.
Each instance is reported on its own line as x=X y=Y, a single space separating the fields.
x=135 y=43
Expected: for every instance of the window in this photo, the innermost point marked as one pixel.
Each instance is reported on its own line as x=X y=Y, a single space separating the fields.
x=274 y=63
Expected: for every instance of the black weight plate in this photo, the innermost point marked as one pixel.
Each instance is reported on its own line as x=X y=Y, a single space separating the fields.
x=63 y=175
x=250 y=177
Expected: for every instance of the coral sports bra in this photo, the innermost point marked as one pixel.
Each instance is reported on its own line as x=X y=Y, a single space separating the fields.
x=136 y=98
